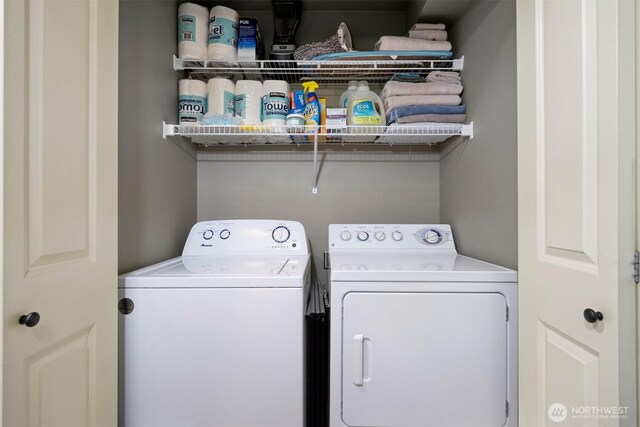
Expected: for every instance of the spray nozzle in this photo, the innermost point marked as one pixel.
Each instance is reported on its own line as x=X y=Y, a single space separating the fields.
x=310 y=86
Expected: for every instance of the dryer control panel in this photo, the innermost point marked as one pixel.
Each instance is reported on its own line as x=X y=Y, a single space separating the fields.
x=250 y=237
x=391 y=236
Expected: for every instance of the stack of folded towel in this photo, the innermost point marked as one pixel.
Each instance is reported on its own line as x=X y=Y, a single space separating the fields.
x=421 y=37
x=436 y=100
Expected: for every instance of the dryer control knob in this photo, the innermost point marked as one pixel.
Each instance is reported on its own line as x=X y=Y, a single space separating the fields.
x=224 y=234
x=345 y=235
x=397 y=236
x=363 y=236
x=207 y=235
x=380 y=236
x=432 y=237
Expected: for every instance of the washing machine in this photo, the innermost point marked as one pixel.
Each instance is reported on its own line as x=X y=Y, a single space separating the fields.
x=215 y=337
x=420 y=335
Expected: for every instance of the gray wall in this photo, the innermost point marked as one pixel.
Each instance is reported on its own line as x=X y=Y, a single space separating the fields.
x=478 y=179
x=352 y=189
x=157 y=178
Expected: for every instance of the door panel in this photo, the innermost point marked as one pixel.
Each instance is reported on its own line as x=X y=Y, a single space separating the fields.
x=576 y=203
x=568 y=129
x=60 y=212
x=414 y=358
x=61 y=147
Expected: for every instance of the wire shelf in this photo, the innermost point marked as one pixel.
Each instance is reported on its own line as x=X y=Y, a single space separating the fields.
x=323 y=72
x=231 y=135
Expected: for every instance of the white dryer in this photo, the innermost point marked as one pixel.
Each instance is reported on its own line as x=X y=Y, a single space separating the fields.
x=215 y=337
x=420 y=336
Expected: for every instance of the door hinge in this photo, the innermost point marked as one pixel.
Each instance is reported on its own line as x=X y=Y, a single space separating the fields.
x=506 y=409
x=636 y=266
x=507 y=313
x=326 y=260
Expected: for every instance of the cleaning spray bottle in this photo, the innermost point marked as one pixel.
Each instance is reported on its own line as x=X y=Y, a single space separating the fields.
x=312 y=106
x=365 y=108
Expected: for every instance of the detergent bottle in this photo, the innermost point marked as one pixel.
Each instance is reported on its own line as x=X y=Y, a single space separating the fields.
x=365 y=108
x=312 y=105
x=353 y=85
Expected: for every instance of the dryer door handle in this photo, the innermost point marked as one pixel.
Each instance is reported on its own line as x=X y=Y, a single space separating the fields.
x=358 y=359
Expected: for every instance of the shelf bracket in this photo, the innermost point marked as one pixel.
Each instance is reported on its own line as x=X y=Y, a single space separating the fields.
x=314 y=190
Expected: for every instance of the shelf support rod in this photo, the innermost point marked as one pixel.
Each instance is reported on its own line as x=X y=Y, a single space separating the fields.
x=314 y=190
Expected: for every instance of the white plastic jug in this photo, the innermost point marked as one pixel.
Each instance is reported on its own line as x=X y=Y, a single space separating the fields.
x=365 y=108
x=353 y=85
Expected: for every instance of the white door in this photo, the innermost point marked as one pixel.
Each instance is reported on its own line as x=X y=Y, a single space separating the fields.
x=576 y=138
x=60 y=211
x=432 y=359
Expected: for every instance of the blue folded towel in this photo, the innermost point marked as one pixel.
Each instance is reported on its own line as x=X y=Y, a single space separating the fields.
x=413 y=110
x=397 y=54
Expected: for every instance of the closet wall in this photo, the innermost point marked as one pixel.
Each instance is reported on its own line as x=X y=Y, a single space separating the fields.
x=478 y=179
x=157 y=179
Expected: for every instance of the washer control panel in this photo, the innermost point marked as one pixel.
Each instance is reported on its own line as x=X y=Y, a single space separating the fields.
x=391 y=236
x=251 y=237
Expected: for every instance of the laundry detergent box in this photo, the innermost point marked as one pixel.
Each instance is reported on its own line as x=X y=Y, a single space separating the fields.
x=250 y=46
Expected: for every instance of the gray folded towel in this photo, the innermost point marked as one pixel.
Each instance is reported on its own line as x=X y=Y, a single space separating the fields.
x=309 y=51
x=444 y=76
x=393 y=88
x=423 y=26
x=440 y=35
x=406 y=43
x=434 y=118
x=393 y=102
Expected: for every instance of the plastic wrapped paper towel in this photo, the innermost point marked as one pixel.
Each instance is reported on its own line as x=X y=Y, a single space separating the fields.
x=192 y=101
x=193 y=31
x=249 y=101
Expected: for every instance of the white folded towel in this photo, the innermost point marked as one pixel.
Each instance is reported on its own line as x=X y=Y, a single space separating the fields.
x=440 y=35
x=394 y=88
x=393 y=102
x=444 y=76
x=422 y=26
x=406 y=43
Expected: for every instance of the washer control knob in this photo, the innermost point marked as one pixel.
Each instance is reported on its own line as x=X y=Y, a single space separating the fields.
x=363 y=236
x=432 y=237
x=345 y=235
x=281 y=234
x=380 y=236
x=207 y=235
x=397 y=236
x=224 y=234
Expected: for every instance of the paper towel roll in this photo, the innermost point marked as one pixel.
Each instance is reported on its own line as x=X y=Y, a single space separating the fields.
x=221 y=97
x=249 y=101
x=275 y=102
x=192 y=101
x=223 y=34
x=193 y=31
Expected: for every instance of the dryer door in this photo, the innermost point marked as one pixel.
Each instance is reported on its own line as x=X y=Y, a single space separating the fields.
x=431 y=359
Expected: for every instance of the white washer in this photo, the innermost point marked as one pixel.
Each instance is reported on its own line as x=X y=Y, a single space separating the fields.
x=419 y=334
x=215 y=337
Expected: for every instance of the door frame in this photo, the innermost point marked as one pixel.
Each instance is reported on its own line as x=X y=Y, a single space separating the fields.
x=2 y=5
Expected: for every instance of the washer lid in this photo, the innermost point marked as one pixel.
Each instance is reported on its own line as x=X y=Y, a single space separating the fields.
x=403 y=266
x=223 y=272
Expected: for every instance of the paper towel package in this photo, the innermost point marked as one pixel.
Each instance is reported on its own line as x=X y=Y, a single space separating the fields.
x=193 y=31
x=192 y=101
x=223 y=34
x=275 y=102
x=249 y=101
x=221 y=97
x=250 y=46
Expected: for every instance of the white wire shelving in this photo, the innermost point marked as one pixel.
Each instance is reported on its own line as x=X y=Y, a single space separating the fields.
x=323 y=72
x=252 y=135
